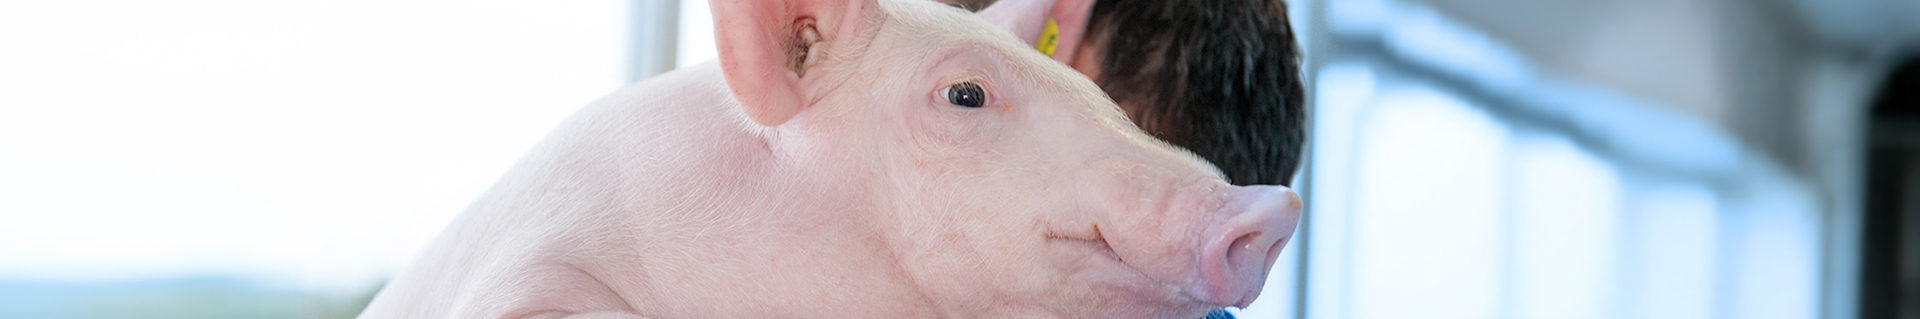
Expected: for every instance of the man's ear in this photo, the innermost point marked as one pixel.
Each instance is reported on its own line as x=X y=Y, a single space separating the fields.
x=1028 y=20
x=767 y=46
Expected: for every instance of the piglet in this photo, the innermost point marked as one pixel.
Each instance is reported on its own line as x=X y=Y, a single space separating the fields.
x=852 y=158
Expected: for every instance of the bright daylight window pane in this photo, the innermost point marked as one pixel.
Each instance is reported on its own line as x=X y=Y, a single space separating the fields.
x=1426 y=241
x=1344 y=90
x=1564 y=231
x=696 y=34
x=308 y=143
x=1778 y=252
x=1677 y=232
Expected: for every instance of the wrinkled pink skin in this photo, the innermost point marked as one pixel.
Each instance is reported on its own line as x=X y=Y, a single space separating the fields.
x=880 y=199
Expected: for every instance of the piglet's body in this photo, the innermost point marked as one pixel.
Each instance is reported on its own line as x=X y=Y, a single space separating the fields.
x=852 y=159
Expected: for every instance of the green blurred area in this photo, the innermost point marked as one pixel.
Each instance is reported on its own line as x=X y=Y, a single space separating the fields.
x=197 y=297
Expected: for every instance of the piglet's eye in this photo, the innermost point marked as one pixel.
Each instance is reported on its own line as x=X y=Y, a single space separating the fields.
x=967 y=94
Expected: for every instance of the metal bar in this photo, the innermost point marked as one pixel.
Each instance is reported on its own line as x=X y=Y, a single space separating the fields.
x=655 y=26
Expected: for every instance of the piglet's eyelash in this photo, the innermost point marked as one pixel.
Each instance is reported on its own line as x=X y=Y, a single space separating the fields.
x=969 y=94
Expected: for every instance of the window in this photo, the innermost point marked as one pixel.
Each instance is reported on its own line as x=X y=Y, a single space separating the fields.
x=1450 y=179
x=268 y=153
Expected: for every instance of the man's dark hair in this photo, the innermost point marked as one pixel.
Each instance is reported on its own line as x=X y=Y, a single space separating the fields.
x=1218 y=77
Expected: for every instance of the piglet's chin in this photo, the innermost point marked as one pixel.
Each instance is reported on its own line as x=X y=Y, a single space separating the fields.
x=1236 y=256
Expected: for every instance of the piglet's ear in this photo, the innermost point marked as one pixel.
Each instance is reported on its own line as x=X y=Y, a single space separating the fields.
x=1028 y=19
x=768 y=46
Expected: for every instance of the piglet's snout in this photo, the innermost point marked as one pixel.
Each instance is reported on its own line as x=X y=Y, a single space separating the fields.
x=1237 y=255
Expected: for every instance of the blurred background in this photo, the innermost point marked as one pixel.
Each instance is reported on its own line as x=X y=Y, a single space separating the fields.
x=1470 y=158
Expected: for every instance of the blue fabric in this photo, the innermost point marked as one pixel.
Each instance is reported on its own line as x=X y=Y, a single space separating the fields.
x=1219 y=314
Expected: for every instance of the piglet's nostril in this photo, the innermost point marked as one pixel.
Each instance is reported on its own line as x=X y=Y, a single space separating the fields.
x=1243 y=247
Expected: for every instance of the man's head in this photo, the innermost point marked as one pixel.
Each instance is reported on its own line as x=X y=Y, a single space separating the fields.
x=1220 y=78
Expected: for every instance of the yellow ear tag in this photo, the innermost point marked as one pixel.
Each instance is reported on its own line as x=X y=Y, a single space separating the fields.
x=1049 y=38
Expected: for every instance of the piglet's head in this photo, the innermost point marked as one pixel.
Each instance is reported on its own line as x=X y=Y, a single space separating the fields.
x=1001 y=182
